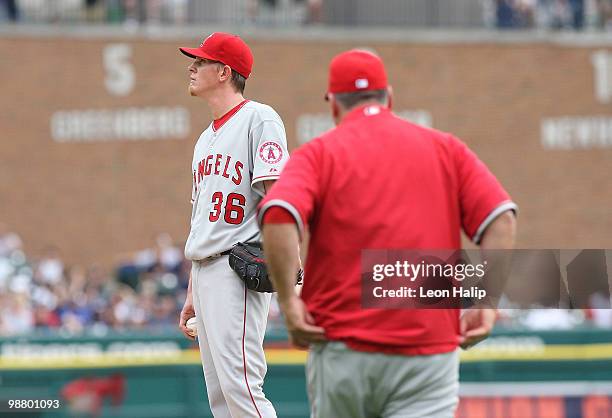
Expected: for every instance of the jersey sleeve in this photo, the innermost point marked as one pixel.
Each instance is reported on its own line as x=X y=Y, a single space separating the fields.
x=481 y=196
x=269 y=152
x=298 y=189
x=194 y=182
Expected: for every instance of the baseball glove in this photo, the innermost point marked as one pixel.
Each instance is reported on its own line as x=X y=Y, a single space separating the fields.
x=247 y=260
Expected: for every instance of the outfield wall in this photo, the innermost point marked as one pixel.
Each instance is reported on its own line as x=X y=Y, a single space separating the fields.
x=97 y=132
x=514 y=374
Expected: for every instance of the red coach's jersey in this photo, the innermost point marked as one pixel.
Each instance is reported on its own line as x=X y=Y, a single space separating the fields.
x=376 y=182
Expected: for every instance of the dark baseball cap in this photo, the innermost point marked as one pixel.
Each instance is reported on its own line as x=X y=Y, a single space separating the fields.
x=226 y=48
x=356 y=70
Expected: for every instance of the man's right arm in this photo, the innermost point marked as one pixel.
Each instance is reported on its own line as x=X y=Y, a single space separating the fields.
x=187 y=312
x=293 y=198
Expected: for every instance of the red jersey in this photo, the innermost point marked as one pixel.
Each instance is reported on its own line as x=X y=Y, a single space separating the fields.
x=380 y=182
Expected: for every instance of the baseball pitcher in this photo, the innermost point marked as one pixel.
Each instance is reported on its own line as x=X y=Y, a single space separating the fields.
x=235 y=161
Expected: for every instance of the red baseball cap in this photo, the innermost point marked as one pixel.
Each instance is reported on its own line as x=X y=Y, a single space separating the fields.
x=356 y=70
x=226 y=48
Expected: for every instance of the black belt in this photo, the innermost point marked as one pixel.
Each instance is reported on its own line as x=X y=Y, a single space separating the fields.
x=227 y=252
x=216 y=255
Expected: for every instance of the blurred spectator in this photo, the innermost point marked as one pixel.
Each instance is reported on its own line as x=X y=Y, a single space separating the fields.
x=600 y=314
x=9 y=241
x=554 y=14
x=51 y=11
x=547 y=14
x=16 y=314
x=549 y=319
x=577 y=12
x=525 y=13
x=505 y=14
x=169 y=255
x=164 y=313
x=51 y=268
x=177 y=11
x=94 y=10
x=604 y=14
x=489 y=13
x=601 y=318
x=562 y=14
x=11 y=9
x=143 y=11
x=46 y=318
x=155 y=12
x=125 y=309
x=313 y=12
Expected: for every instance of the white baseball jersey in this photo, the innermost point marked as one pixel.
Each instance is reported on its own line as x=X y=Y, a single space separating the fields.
x=228 y=167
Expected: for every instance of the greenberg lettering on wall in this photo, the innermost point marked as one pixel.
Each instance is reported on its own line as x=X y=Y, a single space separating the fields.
x=121 y=123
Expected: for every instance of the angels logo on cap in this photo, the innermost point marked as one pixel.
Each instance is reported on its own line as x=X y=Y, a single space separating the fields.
x=206 y=39
x=226 y=48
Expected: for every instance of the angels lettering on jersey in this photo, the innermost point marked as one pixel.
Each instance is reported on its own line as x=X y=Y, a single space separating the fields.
x=217 y=165
x=230 y=164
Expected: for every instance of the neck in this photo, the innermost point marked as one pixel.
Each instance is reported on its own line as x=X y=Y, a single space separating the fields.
x=342 y=113
x=220 y=104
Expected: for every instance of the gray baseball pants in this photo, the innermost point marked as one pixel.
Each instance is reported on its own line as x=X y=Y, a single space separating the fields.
x=343 y=383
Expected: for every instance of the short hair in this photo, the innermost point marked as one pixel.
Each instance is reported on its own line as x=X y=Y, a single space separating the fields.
x=350 y=100
x=238 y=82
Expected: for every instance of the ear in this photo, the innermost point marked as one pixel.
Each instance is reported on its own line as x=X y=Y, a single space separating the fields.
x=226 y=73
x=335 y=107
x=389 y=97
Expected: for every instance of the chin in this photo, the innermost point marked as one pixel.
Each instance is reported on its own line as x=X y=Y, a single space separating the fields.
x=192 y=91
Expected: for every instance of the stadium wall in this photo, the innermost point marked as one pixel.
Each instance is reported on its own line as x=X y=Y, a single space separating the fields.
x=514 y=374
x=97 y=132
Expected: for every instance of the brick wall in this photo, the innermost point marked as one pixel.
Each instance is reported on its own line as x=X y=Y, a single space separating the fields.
x=98 y=200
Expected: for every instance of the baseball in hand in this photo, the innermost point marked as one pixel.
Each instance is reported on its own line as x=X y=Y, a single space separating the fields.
x=191 y=325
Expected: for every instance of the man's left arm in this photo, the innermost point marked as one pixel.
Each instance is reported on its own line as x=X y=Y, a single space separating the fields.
x=488 y=217
x=477 y=322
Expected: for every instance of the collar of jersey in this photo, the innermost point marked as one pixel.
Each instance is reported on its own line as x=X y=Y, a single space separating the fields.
x=218 y=123
x=360 y=112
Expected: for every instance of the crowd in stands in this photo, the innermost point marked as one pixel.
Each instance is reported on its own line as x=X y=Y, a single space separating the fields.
x=503 y=14
x=133 y=13
x=130 y=12
x=44 y=293
x=146 y=292
x=553 y=14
